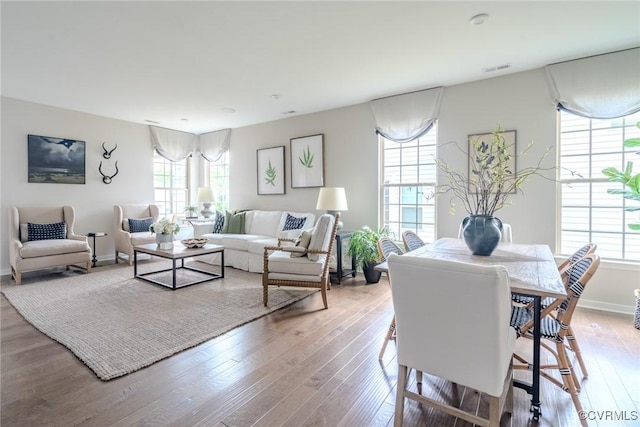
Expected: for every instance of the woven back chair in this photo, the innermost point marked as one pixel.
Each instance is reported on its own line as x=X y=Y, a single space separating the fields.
x=554 y=330
x=386 y=247
x=411 y=240
x=306 y=267
x=563 y=267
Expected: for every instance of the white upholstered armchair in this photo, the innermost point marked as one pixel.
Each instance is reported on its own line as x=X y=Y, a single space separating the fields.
x=125 y=237
x=42 y=237
x=452 y=321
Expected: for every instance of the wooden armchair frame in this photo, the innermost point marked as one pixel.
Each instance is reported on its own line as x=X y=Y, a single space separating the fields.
x=323 y=284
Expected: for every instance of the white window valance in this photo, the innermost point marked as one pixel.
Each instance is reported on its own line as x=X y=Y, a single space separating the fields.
x=403 y=118
x=213 y=145
x=172 y=144
x=175 y=145
x=600 y=87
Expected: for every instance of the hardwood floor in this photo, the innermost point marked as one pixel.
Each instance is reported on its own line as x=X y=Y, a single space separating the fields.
x=301 y=365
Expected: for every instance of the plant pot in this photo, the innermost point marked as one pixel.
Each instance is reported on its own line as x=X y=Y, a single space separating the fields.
x=481 y=233
x=371 y=275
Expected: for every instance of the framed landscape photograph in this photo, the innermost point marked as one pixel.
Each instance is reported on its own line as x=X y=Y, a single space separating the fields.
x=509 y=144
x=55 y=160
x=307 y=161
x=271 y=170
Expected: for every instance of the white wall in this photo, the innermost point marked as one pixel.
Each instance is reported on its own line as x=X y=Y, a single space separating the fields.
x=519 y=101
x=350 y=161
x=94 y=201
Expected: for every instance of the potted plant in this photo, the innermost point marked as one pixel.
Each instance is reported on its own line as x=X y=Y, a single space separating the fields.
x=627 y=179
x=492 y=180
x=191 y=211
x=363 y=246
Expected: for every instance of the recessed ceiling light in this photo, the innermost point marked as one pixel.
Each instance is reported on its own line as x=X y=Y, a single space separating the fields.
x=185 y=120
x=289 y=112
x=227 y=110
x=275 y=96
x=479 y=19
x=151 y=121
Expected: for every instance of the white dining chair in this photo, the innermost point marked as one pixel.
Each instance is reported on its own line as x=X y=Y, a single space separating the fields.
x=471 y=348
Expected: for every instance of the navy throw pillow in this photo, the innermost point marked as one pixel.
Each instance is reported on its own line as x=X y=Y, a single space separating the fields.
x=219 y=223
x=293 y=223
x=57 y=230
x=139 y=225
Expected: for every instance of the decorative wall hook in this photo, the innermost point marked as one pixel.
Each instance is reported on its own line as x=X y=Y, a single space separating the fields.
x=107 y=153
x=106 y=178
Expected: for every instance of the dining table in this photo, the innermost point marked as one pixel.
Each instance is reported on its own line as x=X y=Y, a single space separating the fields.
x=532 y=271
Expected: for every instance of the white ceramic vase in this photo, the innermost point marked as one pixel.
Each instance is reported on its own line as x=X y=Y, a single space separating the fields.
x=164 y=241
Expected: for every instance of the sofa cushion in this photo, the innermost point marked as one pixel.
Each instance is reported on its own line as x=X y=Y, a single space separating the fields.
x=302 y=244
x=219 y=223
x=143 y=238
x=257 y=246
x=214 y=238
x=233 y=223
x=293 y=222
x=281 y=262
x=139 y=225
x=56 y=230
x=308 y=223
x=264 y=223
x=40 y=248
x=238 y=241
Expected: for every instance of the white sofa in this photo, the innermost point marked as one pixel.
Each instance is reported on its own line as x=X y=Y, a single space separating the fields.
x=261 y=228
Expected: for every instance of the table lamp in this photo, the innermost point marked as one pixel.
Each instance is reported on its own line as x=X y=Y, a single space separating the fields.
x=205 y=196
x=332 y=199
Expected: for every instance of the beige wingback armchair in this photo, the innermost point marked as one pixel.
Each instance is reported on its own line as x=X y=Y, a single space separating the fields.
x=56 y=243
x=125 y=240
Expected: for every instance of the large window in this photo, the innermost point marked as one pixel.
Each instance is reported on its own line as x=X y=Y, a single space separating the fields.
x=409 y=179
x=218 y=174
x=171 y=185
x=588 y=212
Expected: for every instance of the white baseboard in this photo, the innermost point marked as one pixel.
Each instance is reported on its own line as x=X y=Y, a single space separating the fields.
x=605 y=306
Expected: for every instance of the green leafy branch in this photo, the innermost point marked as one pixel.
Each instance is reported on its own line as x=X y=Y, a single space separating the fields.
x=627 y=179
x=270 y=175
x=307 y=159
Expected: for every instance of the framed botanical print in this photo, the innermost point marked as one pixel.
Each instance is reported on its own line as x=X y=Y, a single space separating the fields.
x=271 y=170
x=307 y=161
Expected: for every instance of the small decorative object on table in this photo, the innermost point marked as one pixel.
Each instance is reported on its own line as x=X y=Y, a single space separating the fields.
x=194 y=243
x=165 y=232
x=191 y=211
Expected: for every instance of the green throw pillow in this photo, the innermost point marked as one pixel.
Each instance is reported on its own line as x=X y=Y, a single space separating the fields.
x=233 y=223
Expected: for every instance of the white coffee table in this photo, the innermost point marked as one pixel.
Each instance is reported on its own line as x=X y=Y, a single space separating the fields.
x=179 y=252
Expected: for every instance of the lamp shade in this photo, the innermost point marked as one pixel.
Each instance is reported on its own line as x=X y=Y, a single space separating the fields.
x=205 y=195
x=332 y=199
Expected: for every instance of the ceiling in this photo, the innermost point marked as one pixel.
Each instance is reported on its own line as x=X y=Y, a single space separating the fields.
x=184 y=64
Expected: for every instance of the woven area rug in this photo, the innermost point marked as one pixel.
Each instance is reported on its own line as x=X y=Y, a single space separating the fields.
x=117 y=324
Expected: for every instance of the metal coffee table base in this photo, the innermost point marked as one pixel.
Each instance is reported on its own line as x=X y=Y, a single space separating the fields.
x=174 y=257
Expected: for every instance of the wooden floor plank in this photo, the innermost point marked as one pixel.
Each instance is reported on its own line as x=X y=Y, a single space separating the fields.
x=301 y=365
